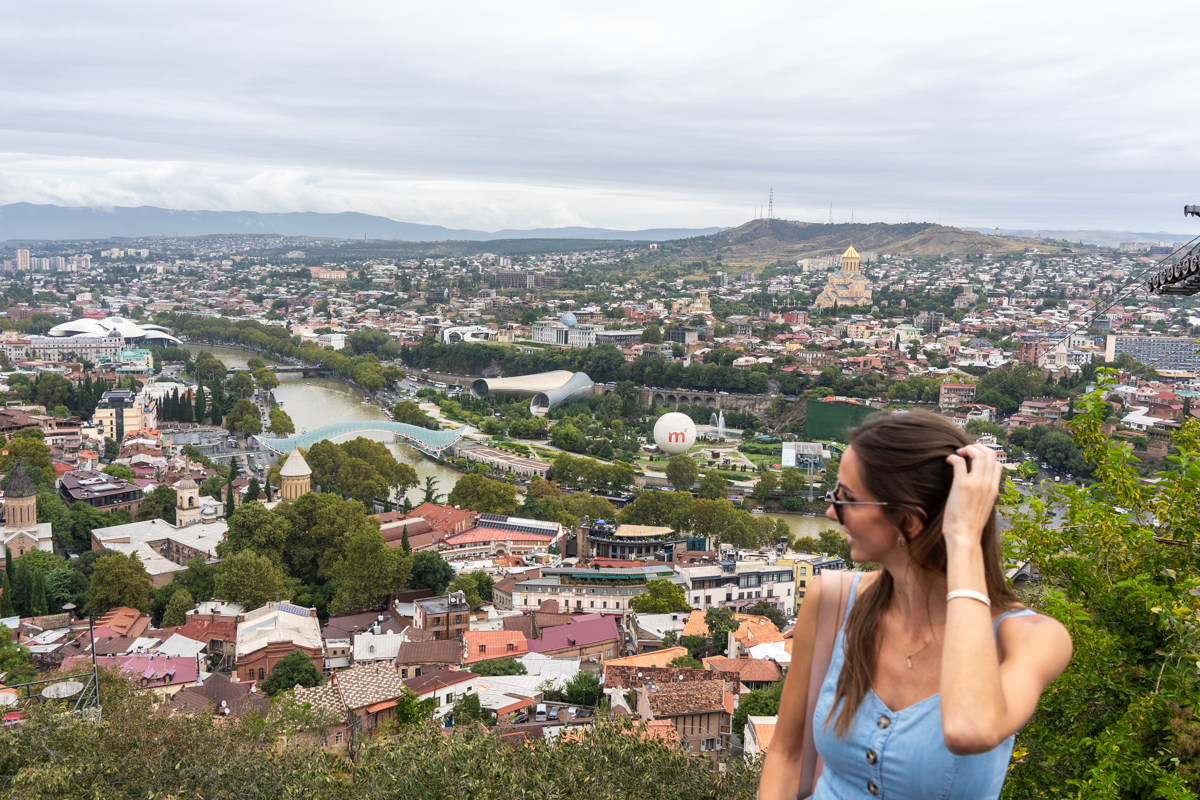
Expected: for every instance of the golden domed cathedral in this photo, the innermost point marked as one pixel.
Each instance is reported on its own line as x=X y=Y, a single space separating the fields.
x=847 y=286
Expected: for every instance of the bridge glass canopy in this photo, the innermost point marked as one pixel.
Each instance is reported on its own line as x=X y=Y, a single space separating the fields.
x=422 y=438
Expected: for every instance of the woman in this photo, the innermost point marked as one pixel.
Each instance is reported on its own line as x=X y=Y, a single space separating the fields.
x=936 y=665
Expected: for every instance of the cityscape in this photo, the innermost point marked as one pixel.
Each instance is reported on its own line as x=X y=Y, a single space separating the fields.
x=409 y=404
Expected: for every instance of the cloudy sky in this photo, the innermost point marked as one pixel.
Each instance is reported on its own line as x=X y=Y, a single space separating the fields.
x=626 y=115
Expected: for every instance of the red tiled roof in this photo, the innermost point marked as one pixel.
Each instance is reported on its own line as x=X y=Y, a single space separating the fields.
x=476 y=535
x=495 y=644
x=587 y=630
x=439 y=678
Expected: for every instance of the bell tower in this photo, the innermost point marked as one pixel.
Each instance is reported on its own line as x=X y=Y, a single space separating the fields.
x=187 y=502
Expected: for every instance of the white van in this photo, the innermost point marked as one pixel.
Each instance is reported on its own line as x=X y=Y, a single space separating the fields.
x=540 y=714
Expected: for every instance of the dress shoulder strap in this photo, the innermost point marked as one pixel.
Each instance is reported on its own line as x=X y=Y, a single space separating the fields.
x=1020 y=612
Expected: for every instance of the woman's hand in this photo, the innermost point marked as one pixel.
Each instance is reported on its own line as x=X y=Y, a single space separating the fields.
x=972 y=495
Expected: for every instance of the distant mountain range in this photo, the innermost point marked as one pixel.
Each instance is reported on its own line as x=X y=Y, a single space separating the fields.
x=1101 y=238
x=29 y=222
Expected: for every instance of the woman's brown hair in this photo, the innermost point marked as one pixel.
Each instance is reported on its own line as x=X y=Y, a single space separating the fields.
x=902 y=461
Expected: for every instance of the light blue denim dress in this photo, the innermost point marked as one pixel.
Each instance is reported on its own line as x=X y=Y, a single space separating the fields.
x=899 y=755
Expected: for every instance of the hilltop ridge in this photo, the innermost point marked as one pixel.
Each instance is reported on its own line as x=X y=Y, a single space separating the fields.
x=780 y=238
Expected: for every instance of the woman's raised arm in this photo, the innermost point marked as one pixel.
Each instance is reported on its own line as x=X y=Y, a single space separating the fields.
x=983 y=700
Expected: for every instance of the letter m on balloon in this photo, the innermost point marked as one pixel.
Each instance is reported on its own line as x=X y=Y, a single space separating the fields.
x=677 y=436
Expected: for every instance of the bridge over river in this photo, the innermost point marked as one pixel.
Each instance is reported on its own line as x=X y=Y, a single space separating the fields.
x=427 y=441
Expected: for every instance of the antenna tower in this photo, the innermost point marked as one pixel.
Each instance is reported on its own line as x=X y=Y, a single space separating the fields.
x=771 y=204
x=830 y=212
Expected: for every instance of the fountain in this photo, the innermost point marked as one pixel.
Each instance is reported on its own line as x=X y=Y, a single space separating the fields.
x=718 y=421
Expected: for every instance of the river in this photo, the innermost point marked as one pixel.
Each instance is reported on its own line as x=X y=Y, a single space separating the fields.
x=803 y=526
x=315 y=402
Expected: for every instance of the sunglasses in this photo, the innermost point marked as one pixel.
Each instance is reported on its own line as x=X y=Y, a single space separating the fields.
x=832 y=499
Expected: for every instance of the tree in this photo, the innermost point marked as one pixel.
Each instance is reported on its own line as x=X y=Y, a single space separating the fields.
x=757 y=703
x=661 y=597
x=499 y=666
x=429 y=571
x=367 y=572
x=34 y=452
x=713 y=487
x=466 y=585
x=281 y=423
x=325 y=458
x=256 y=528
x=566 y=436
x=764 y=609
x=482 y=494
x=651 y=335
x=682 y=472
x=111 y=449
x=176 y=613
x=432 y=495
x=159 y=504
x=266 y=379
x=199 y=579
x=792 y=481
x=246 y=577
x=361 y=481
x=720 y=623
x=468 y=709
x=584 y=689
x=410 y=413
x=685 y=661
x=53 y=390
x=65 y=585
x=766 y=484
x=50 y=508
x=15 y=661
x=241 y=384
x=294 y=669
x=119 y=580
x=120 y=471
x=238 y=419
x=484 y=583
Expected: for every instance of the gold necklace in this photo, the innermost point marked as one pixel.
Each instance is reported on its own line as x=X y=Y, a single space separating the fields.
x=908 y=655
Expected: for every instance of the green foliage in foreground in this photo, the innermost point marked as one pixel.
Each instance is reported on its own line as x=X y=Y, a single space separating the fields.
x=137 y=752
x=1120 y=571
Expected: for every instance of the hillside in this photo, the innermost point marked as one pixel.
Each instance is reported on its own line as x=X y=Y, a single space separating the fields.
x=779 y=238
x=938 y=239
x=29 y=222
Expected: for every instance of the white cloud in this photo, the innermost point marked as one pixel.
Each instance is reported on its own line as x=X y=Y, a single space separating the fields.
x=489 y=115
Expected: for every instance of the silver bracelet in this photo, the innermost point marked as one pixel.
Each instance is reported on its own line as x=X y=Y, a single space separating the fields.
x=980 y=596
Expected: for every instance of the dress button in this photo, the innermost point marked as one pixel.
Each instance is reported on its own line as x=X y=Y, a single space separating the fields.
x=871 y=757
x=872 y=787
x=884 y=722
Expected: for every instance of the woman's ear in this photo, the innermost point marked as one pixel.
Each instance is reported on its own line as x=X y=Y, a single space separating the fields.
x=912 y=525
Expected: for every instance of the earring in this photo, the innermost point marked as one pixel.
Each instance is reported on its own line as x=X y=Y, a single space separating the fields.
x=901 y=541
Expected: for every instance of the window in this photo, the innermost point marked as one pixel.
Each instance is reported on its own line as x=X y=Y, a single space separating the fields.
x=604 y=604
x=449 y=698
x=511 y=647
x=696 y=600
x=608 y=653
x=593 y=604
x=260 y=673
x=483 y=648
x=337 y=738
x=417 y=672
x=458 y=619
x=803 y=584
x=708 y=745
x=708 y=599
x=403 y=672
